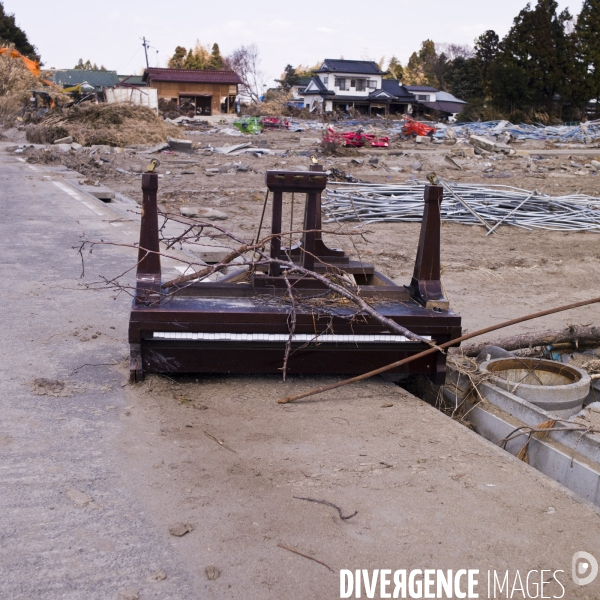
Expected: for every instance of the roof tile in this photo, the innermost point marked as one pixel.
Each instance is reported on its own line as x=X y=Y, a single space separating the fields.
x=191 y=76
x=367 y=67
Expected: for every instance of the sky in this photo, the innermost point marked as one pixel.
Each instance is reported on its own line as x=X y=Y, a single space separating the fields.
x=109 y=32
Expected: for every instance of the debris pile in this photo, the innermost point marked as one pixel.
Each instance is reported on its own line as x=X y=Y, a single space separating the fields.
x=467 y=204
x=355 y=139
x=17 y=84
x=102 y=124
x=583 y=133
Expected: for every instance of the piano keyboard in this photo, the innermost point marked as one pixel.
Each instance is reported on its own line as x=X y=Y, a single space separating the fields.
x=329 y=338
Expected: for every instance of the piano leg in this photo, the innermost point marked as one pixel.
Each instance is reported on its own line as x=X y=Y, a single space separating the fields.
x=136 y=373
x=426 y=282
x=148 y=268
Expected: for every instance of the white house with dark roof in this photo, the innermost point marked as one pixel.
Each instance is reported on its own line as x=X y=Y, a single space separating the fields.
x=341 y=84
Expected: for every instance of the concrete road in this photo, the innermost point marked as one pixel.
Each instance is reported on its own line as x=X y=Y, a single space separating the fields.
x=94 y=472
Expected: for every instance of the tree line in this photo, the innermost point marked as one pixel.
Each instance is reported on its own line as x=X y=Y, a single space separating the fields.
x=546 y=68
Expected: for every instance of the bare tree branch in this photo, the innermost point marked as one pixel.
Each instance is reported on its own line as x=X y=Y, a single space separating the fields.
x=246 y=63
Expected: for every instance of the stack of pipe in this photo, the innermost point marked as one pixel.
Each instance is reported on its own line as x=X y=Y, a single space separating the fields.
x=463 y=203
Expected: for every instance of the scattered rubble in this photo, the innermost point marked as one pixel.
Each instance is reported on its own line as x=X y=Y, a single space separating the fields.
x=65 y=140
x=180 y=145
x=212 y=214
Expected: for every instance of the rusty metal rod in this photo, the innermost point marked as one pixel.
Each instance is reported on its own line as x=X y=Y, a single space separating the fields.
x=332 y=386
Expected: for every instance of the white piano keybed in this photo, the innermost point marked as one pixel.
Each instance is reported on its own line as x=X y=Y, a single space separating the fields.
x=299 y=338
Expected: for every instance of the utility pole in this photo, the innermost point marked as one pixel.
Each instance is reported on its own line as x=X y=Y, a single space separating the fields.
x=146 y=45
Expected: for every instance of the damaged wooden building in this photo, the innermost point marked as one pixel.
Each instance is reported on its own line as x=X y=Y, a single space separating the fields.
x=207 y=92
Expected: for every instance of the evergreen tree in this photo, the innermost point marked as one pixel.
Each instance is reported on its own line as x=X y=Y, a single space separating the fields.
x=216 y=60
x=509 y=85
x=576 y=89
x=536 y=46
x=178 y=58
x=198 y=57
x=464 y=79
x=13 y=35
x=394 y=70
x=88 y=66
x=193 y=61
x=486 y=52
x=414 y=74
x=434 y=65
x=289 y=79
x=426 y=67
x=587 y=47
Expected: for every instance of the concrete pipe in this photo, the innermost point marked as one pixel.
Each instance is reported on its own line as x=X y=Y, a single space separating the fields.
x=555 y=387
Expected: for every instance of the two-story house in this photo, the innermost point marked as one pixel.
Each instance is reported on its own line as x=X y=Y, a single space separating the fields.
x=341 y=84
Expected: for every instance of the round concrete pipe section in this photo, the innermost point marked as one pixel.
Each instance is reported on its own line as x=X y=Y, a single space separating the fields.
x=560 y=389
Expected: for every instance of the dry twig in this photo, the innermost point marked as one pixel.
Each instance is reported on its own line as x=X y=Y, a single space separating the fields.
x=344 y=518
x=305 y=556
x=221 y=443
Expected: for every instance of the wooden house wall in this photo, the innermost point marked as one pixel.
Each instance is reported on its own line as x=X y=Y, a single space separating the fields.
x=219 y=91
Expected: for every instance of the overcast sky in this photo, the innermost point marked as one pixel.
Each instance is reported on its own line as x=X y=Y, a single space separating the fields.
x=109 y=32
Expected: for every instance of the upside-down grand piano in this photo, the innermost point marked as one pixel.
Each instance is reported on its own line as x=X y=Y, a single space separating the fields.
x=241 y=322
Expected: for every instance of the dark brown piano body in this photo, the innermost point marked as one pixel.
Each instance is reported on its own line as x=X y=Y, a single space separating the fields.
x=240 y=308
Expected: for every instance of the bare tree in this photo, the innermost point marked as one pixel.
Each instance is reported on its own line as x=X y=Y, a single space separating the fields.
x=246 y=63
x=453 y=51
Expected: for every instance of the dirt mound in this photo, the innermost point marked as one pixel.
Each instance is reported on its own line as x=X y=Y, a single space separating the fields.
x=103 y=124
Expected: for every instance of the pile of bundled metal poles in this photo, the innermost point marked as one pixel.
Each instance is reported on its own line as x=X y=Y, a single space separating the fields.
x=464 y=203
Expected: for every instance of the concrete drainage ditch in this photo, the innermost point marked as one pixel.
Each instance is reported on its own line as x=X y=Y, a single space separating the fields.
x=506 y=399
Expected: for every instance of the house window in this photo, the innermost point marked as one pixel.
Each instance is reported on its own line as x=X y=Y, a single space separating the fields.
x=353 y=83
x=372 y=84
x=340 y=83
x=423 y=97
x=326 y=79
x=360 y=85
